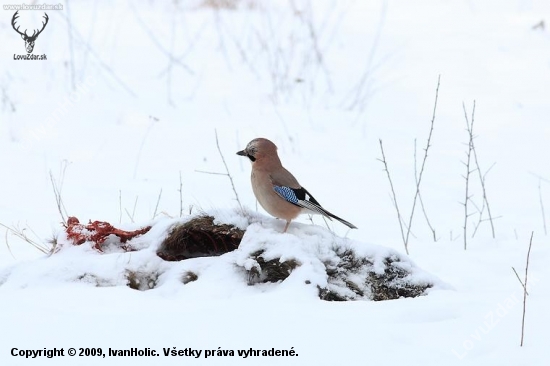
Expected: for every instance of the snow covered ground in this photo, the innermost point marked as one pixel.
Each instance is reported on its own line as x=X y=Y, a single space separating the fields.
x=130 y=97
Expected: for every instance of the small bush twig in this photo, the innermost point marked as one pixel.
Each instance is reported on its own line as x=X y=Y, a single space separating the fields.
x=153 y=120
x=394 y=198
x=482 y=176
x=157 y=205
x=57 y=189
x=524 y=285
x=181 y=196
x=418 y=177
x=119 y=206
x=484 y=203
x=227 y=174
x=542 y=209
x=21 y=234
x=131 y=217
x=420 y=197
x=417 y=193
x=8 y=244
x=467 y=196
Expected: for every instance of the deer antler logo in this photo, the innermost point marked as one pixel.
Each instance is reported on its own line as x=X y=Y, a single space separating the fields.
x=29 y=40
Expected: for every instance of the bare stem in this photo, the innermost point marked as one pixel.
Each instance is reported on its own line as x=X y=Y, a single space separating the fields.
x=542 y=209
x=153 y=120
x=57 y=188
x=417 y=193
x=418 y=179
x=525 y=290
x=420 y=197
x=227 y=170
x=8 y=244
x=21 y=234
x=181 y=196
x=481 y=176
x=484 y=203
x=157 y=205
x=520 y=281
x=394 y=198
x=131 y=216
x=227 y=174
x=119 y=206
x=470 y=129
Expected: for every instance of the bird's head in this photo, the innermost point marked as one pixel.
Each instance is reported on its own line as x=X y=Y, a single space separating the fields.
x=259 y=149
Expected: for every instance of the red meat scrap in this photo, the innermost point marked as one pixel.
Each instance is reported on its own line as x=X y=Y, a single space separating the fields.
x=97 y=232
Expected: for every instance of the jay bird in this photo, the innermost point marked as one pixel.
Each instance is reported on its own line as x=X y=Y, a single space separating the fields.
x=276 y=189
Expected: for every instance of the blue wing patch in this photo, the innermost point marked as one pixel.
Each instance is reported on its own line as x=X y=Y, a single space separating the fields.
x=302 y=198
x=287 y=193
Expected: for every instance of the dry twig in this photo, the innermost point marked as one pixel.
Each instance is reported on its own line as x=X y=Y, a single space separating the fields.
x=20 y=233
x=542 y=210
x=417 y=193
x=420 y=197
x=227 y=174
x=57 y=188
x=394 y=198
x=157 y=205
x=418 y=177
x=131 y=217
x=482 y=176
x=467 y=197
x=181 y=196
x=524 y=285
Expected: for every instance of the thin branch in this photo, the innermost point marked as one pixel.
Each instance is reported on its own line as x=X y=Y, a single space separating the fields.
x=213 y=173
x=91 y=51
x=540 y=177
x=481 y=176
x=181 y=196
x=417 y=193
x=315 y=43
x=143 y=140
x=157 y=206
x=227 y=170
x=542 y=209
x=8 y=244
x=171 y=60
x=470 y=129
x=483 y=220
x=454 y=238
x=134 y=209
x=520 y=281
x=383 y=160
x=483 y=205
x=131 y=216
x=227 y=174
x=20 y=233
x=70 y=38
x=420 y=197
x=119 y=206
x=418 y=177
x=362 y=88
x=152 y=36
x=57 y=193
x=326 y=223
x=525 y=291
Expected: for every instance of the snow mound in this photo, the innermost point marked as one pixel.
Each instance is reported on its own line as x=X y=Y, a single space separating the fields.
x=308 y=261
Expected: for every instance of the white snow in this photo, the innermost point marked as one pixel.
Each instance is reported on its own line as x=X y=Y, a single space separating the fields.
x=115 y=120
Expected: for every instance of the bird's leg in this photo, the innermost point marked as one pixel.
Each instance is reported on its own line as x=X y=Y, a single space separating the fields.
x=286 y=226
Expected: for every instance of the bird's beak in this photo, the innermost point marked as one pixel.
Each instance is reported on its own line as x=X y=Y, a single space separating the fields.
x=241 y=153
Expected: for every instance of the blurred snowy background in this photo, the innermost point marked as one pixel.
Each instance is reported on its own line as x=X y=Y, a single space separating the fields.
x=132 y=92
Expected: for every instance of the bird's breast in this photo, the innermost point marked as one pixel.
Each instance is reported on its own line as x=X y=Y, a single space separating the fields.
x=270 y=200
